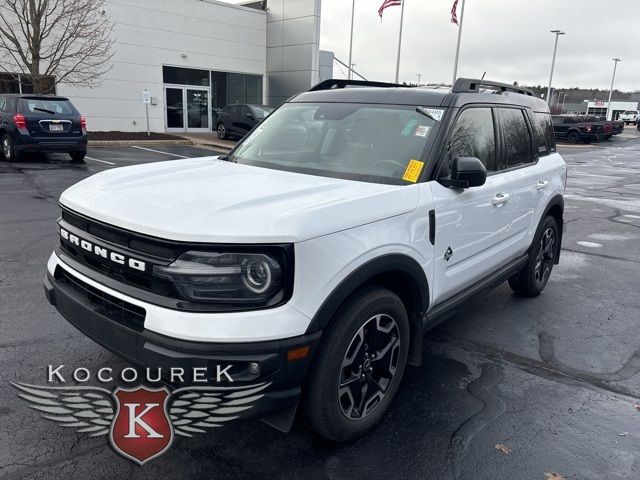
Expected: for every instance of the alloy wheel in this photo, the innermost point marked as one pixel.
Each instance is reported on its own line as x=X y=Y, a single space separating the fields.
x=368 y=366
x=545 y=256
x=6 y=148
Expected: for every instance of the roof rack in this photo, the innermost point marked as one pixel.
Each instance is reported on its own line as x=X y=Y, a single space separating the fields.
x=340 y=83
x=470 y=85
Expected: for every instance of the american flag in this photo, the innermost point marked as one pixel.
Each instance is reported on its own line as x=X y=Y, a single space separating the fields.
x=388 y=3
x=454 y=15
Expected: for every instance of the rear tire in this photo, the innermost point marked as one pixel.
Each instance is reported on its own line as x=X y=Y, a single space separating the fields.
x=532 y=279
x=221 y=130
x=8 y=150
x=359 y=366
x=573 y=137
x=78 y=157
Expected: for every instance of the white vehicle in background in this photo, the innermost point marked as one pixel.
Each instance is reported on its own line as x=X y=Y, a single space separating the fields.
x=630 y=116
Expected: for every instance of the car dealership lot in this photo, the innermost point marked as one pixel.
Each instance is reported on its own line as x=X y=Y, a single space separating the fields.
x=552 y=379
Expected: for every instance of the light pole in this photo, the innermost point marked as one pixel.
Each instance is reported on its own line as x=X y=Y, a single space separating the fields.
x=353 y=11
x=553 y=62
x=615 y=65
x=419 y=77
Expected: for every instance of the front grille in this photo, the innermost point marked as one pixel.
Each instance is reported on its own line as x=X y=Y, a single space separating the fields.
x=124 y=313
x=152 y=251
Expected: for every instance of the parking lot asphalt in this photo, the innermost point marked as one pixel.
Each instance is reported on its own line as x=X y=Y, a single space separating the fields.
x=510 y=387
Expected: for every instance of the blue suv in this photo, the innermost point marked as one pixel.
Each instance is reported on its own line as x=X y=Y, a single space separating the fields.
x=41 y=123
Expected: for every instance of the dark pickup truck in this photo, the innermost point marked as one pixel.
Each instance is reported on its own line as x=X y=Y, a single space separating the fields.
x=575 y=128
x=612 y=127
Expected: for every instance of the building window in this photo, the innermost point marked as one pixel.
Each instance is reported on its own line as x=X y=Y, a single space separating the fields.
x=226 y=88
x=235 y=88
x=185 y=76
x=20 y=83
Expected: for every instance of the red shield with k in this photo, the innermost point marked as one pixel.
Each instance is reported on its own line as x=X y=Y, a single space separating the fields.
x=141 y=429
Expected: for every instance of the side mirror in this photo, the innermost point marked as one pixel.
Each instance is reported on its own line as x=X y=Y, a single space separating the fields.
x=250 y=116
x=466 y=172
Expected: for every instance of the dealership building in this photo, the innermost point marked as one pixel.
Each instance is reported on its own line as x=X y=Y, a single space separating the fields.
x=193 y=57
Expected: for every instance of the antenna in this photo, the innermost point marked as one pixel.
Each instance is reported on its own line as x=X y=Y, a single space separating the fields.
x=483 y=75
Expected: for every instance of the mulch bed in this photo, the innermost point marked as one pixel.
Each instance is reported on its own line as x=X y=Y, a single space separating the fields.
x=127 y=136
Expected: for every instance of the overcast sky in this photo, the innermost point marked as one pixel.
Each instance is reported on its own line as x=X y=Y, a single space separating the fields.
x=509 y=39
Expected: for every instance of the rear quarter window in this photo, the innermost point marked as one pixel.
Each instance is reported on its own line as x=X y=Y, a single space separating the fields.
x=544 y=138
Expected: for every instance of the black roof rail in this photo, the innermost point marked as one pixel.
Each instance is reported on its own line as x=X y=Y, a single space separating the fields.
x=341 y=83
x=470 y=85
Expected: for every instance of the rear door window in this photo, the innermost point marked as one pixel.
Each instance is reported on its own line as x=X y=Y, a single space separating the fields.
x=516 y=138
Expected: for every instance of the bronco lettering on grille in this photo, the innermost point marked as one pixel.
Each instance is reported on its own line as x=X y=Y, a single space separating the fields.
x=102 y=252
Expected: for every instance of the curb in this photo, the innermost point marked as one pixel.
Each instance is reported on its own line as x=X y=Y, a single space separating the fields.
x=129 y=143
x=211 y=146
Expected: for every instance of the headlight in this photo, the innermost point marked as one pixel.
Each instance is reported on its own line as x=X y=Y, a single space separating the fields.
x=224 y=277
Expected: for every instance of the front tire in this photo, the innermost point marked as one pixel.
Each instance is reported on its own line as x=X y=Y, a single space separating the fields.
x=532 y=279
x=8 y=150
x=221 y=130
x=573 y=137
x=359 y=366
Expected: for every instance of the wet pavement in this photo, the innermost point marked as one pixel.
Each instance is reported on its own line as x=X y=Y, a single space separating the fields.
x=552 y=380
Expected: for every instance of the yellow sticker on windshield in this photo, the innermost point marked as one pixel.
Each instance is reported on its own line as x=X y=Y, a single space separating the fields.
x=413 y=171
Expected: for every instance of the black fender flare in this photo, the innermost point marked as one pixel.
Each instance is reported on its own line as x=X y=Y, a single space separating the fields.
x=365 y=274
x=557 y=203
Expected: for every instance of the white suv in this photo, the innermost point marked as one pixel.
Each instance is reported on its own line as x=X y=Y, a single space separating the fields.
x=316 y=254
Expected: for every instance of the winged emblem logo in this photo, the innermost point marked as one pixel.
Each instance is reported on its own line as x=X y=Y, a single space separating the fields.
x=141 y=422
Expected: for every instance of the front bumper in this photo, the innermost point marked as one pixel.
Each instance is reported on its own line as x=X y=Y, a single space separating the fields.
x=146 y=348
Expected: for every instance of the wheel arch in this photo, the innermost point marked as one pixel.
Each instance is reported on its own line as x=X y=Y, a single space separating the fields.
x=400 y=274
x=555 y=208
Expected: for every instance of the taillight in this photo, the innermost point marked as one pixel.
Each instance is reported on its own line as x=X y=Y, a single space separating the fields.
x=588 y=128
x=20 y=121
x=83 y=122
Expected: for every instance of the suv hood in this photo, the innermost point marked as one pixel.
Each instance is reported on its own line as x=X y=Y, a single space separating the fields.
x=213 y=201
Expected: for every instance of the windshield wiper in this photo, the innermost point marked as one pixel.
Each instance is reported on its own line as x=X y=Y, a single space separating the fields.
x=44 y=110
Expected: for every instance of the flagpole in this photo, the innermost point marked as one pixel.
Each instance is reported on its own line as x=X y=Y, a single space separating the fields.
x=399 y=43
x=353 y=9
x=455 y=65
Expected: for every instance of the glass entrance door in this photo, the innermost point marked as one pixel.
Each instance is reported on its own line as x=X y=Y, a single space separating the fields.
x=187 y=109
x=198 y=110
x=174 y=105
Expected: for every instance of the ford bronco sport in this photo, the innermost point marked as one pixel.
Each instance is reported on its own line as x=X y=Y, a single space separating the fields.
x=316 y=254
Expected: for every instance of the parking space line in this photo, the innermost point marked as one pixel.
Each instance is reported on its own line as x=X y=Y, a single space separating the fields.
x=98 y=160
x=159 y=151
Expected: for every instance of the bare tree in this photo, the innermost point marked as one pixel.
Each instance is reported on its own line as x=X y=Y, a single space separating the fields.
x=69 y=40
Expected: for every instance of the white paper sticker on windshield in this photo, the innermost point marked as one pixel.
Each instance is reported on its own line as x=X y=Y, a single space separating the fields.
x=422 y=131
x=436 y=113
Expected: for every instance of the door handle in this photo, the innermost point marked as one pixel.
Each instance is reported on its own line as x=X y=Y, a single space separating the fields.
x=499 y=199
x=542 y=184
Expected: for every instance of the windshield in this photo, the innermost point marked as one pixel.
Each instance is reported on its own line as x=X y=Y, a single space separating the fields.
x=365 y=142
x=260 y=111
